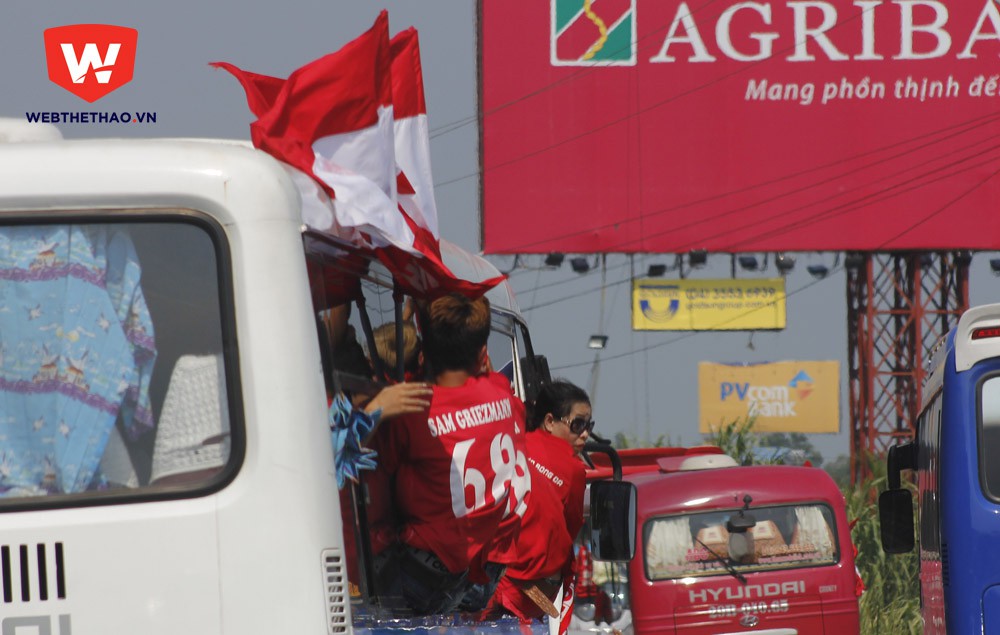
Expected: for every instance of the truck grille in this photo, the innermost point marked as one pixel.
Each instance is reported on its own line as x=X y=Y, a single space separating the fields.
x=32 y=572
x=334 y=582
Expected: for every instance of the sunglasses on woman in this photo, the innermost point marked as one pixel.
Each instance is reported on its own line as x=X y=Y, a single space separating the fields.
x=579 y=425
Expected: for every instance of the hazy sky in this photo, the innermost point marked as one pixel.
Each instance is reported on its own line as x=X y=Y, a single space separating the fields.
x=650 y=389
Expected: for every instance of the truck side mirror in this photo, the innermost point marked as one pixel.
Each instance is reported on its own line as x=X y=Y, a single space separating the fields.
x=536 y=374
x=901 y=457
x=612 y=518
x=895 y=516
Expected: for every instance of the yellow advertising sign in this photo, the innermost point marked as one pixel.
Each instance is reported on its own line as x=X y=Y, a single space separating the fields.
x=784 y=396
x=708 y=305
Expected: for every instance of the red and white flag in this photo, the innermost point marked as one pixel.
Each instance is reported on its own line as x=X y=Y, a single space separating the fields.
x=566 y=608
x=262 y=90
x=413 y=147
x=332 y=120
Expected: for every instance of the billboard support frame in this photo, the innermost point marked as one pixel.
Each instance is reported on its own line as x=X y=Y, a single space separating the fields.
x=900 y=306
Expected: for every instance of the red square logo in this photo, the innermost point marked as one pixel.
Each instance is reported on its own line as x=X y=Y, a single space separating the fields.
x=90 y=60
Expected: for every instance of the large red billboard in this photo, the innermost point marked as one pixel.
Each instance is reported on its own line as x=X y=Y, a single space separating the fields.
x=669 y=125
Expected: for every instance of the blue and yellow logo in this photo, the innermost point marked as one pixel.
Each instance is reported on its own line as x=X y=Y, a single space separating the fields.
x=802 y=384
x=659 y=303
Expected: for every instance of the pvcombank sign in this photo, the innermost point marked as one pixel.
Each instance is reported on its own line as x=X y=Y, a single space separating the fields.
x=785 y=396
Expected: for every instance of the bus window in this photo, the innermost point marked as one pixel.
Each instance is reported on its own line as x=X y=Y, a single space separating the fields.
x=112 y=373
x=501 y=345
x=784 y=537
x=928 y=457
x=990 y=417
x=354 y=300
x=337 y=283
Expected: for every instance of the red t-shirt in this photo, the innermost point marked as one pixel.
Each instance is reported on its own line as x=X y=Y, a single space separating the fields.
x=553 y=460
x=461 y=477
x=544 y=545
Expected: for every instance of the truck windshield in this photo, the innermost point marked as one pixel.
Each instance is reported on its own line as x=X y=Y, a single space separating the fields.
x=111 y=368
x=785 y=537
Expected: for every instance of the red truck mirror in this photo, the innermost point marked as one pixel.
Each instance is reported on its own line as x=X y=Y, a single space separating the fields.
x=612 y=518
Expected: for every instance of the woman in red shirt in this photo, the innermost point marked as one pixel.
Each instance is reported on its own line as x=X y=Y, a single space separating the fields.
x=541 y=559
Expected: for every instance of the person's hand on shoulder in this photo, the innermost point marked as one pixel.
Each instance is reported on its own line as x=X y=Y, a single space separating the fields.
x=401 y=399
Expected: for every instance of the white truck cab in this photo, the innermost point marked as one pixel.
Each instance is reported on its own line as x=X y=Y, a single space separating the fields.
x=165 y=456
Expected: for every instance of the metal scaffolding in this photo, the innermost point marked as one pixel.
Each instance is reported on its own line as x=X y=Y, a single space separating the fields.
x=900 y=306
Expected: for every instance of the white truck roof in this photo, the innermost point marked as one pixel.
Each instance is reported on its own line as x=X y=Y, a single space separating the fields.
x=14 y=130
x=152 y=171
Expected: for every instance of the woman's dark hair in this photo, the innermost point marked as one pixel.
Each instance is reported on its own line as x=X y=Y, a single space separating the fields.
x=557 y=398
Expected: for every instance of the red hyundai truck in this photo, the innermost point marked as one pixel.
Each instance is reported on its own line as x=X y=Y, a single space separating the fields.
x=724 y=549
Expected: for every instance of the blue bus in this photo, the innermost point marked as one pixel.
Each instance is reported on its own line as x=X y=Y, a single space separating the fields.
x=956 y=459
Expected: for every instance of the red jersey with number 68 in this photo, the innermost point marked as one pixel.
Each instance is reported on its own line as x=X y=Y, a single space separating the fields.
x=461 y=477
x=544 y=547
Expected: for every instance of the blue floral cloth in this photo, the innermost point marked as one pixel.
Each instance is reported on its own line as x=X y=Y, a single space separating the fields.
x=76 y=351
x=349 y=427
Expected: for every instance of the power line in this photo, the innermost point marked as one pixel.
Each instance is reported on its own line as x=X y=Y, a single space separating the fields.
x=964 y=127
x=575 y=295
x=946 y=206
x=649 y=108
x=693 y=333
x=985 y=120
x=578 y=74
x=920 y=183
x=796 y=291
x=955 y=130
x=833 y=212
x=923 y=179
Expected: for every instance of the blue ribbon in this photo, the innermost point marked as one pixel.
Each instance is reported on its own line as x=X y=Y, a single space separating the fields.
x=348 y=428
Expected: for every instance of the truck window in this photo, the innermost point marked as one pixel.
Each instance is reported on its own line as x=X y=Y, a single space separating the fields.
x=112 y=374
x=785 y=537
x=502 y=346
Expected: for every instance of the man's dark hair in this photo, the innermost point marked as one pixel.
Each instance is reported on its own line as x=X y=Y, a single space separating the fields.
x=454 y=329
x=349 y=356
x=557 y=398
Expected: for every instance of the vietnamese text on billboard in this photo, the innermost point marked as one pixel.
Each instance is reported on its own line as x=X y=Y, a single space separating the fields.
x=670 y=125
x=787 y=396
x=708 y=305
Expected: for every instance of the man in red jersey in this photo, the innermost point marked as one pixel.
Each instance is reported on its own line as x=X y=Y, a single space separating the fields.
x=541 y=558
x=460 y=474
